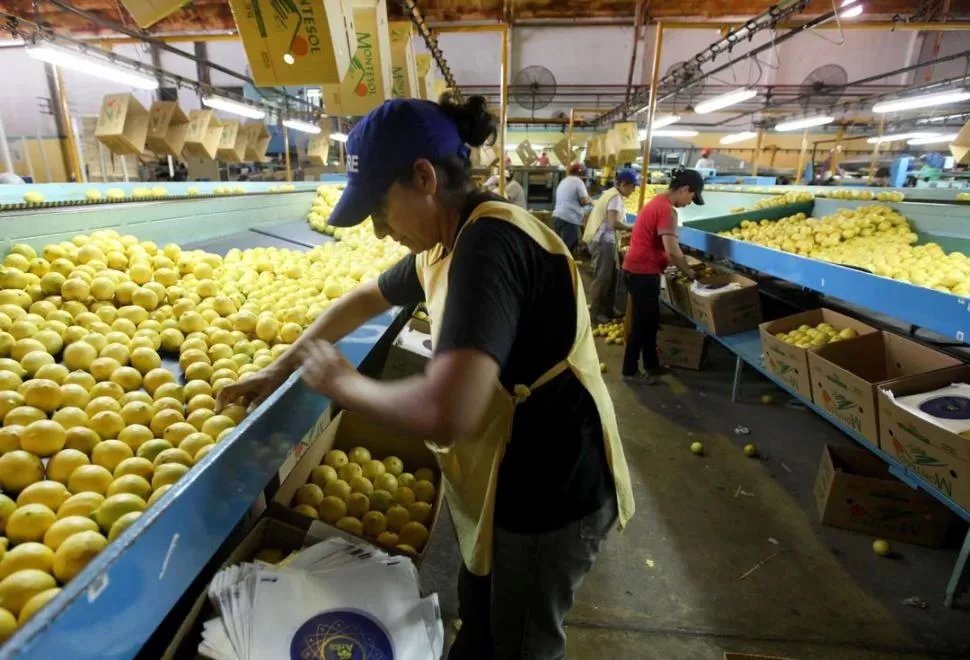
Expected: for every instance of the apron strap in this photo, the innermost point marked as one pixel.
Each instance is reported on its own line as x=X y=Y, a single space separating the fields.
x=522 y=392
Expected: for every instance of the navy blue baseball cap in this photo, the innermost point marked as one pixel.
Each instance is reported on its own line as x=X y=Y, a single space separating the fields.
x=628 y=175
x=383 y=145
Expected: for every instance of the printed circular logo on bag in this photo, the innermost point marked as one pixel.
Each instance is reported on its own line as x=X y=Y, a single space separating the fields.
x=341 y=635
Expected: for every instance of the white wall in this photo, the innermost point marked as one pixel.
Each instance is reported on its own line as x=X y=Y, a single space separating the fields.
x=23 y=81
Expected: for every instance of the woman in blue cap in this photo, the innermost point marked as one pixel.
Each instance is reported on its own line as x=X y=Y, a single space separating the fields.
x=512 y=401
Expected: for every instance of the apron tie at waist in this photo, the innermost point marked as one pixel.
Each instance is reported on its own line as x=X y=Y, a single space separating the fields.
x=521 y=393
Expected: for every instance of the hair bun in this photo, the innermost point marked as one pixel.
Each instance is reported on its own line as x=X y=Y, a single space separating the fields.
x=476 y=125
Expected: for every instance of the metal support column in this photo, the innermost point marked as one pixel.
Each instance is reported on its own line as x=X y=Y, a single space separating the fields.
x=658 y=44
x=875 y=151
x=503 y=109
x=800 y=170
x=74 y=159
x=286 y=148
x=837 y=150
x=736 y=384
x=30 y=161
x=958 y=579
x=757 y=151
x=569 y=135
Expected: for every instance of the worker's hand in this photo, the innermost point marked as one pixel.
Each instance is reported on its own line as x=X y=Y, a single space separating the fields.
x=325 y=369
x=254 y=389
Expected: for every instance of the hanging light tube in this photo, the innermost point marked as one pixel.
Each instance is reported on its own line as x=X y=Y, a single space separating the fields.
x=338 y=137
x=923 y=101
x=234 y=107
x=899 y=136
x=738 y=137
x=92 y=66
x=933 y=139
x=725 y=100
x=673 y=132
x=807 y=122
x=666 y=120
x=302 y=126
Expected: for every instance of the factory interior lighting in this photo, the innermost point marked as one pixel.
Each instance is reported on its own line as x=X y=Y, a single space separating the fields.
x=301 y=126
x=934 y=139
x=807 y=122
x=666 y=120
x=923 y=101
x=673 y=132
x=738 y=137
x=92 y=66
x=338 y=137
x=725 y=100
x=899 y=136
x=234 y=107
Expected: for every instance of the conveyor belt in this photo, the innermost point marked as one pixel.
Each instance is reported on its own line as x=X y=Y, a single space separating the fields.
x=246 y=240
x=297 y=232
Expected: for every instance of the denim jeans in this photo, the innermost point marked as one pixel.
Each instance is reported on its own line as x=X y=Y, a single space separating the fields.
x=517 y=612
x=568 y=232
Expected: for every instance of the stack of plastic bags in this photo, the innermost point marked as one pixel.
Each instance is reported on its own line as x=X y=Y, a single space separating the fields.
x=334 y=599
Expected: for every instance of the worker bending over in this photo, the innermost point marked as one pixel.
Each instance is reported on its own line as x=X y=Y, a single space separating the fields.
x=605 y=220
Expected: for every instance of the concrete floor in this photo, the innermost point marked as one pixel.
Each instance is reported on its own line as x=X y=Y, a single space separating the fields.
x=669 y=587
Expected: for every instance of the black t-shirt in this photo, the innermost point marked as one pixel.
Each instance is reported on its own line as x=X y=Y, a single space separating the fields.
x=510 y=298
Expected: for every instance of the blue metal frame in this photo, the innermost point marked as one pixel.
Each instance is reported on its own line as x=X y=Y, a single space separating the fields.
x=112 y=607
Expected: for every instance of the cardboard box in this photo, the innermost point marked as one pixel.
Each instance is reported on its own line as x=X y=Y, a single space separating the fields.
x=232 y=143
x=563 y=153
x=730 y=312
x=626 y=142
x=854 y=490
x=122 y=124
x=167 y=128
x=369 y=81
x=790 y=363
x=348 y=430
x=526 y=153
x=676 y=292
x=404 y=71
x=424 y=64
x=408 y=355
x=318 y=149
x=593 y=151
x=257 y=141
x=681 y=346
x=148 y=12
x=960 y=148
x=846 y=375
x=204 y=136
x=288 y=43
x=939 y=456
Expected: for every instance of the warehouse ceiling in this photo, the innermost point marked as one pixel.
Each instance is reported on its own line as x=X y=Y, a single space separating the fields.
x=214 y=16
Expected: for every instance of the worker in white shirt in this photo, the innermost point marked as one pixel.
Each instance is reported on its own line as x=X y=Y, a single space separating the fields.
x=706 y=161
x=513 y=189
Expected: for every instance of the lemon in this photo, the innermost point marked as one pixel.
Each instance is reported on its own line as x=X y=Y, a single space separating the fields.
x=413 y=534
x=404 y=496
x=74 y=395
x=36 y=603
x=173 y=455
x=157 y=494
x=323 y=474
x=359 y=455
x=332 y=509
x=397 y=517
x=882 y=548
x=152 y=448
x=157 y=377
x=373 y=469
x=404 y=547
x=9 y=380
x=74 y=554
x=310 y=494
x=361 y=485
x=136 y=466
x=405 y=479
x=80 y=504
x=94 y=478
x=43 y=394
x=16 y=589
x=387 y=539
x=79 y=355
x=109 y=453
x=10 y=438
x=116 y=506
x=23 y=416
x=198 y=418
x=49 y=493
x=137 y=413
x=19 y=469
x=350 y=471
x=61 y=530
x=30 y=555
x=145 y=360
x=177 y=432
x=234 y=411
x=393 y=465
x=424 y=491
x=216 y=425
x=132 y=484
x=122 y=524
x=127 y=377
x=82 y=439
x=70 y=416
x=374 y=524
x=63 y=463
x=168 y=473
x=351 y=525
x=101 y=404
x=163 y=419
x=29 y=522
x=426 y=474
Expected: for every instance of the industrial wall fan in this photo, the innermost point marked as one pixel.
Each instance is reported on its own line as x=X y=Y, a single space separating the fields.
x=826 y=84
x=535 y=87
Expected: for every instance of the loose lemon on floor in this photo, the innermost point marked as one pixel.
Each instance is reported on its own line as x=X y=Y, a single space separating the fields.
x=51 y=494
x=28 y=523
x=30 y=555
x=882 y=548
x=36 y=603
x=19 y=469
x=16 y=589
x=122 y=523
x=63 y=528
x=697 y=448
x=74 y=554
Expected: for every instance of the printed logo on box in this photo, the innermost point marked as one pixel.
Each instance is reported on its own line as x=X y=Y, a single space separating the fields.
x=341 y=635
x=841 y=407
x=935 y=471
x=363 y=65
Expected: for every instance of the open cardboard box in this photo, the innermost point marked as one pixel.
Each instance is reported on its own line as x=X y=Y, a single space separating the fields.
x=232 y=143
x=526 y=153
x=730 y=312
x=626 y=142
x=167 y=128
x=318 y=149
x=680 y=345
x=368 y=82
x=257 y=140
x=205 y=133
x=847 y=374
x=122 y=124
x=790 y=363
x=854 y=490
x=404 y=71
x=939 y=456
x=424 y=64
x=346 y=431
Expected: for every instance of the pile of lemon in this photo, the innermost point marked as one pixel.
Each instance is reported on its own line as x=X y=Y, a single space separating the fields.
x=963 y=197
x=631 y=204
x=326 y=199
x=805 y=336
x=372 y=498
x=864 y=195
x=613 y=332
x=94 y=427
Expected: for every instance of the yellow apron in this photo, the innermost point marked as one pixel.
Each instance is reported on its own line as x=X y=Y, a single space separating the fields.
x=598 y=215
x=470 y=467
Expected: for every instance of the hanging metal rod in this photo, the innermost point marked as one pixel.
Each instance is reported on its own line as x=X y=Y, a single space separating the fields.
x=431 y=41
x=684 y=73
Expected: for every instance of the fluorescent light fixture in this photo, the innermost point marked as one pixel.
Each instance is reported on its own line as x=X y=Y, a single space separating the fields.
x=92 y=66
x=302 y=126
x=725 y=100
x=852 y=12
x=738 y=137
x=234 y=107
x=934 y=139
x=674 y=132
x=807 y=122
x=338 y=137
x=923 y=101
x=899 y=136
x=930 y=120
x=288 y=58
x=666 y=120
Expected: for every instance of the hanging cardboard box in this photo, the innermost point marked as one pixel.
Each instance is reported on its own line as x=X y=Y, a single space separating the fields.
x=960 y=148
x=626 y=144
x=122 y=125
x=287 y=43
x=318 y=149
x=369 y=81
x=846 y=376
x=593 y=153
x=938 y=455
x=854 y=490
x=526 y=153
x=789 y=362
x=424 y=63
x=404 y=72
x=563 y=153
x=148 y=12
x=167 y=128
x=232 y=143
x=257 y=141
x=204 y=136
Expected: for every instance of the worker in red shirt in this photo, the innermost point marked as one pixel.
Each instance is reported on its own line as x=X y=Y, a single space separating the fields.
x=653 y=247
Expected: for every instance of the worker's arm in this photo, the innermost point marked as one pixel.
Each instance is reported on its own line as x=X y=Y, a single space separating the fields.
x=677 y=258
x=614 y=219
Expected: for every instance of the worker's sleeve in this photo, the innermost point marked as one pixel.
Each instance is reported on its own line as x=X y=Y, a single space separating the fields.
x=400 y=284
x=487 y=283
x=616 y=204
x=666 y=221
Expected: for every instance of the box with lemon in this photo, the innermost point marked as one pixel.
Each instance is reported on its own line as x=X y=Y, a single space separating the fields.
x=365 y=481
x=112 y=351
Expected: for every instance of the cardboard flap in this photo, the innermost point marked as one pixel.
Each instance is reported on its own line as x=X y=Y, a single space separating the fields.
x=960 y=148
x=561 y=149
x=905 y=357
x=526 y=153
x=863 y=356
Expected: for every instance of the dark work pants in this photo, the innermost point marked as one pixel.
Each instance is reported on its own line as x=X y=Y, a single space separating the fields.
x=644 y=291
x=604 y=280
x=568 y=232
